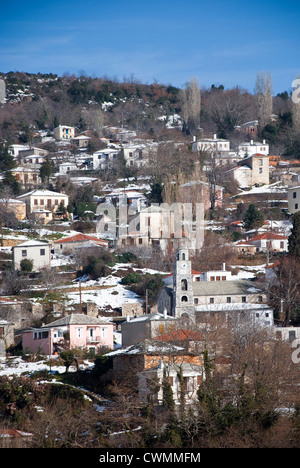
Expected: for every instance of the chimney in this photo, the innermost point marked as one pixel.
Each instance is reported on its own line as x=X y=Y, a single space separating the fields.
x=264 y=142
x=194 y=138
x=224 y=266
x=215 y=136
x=251 y=142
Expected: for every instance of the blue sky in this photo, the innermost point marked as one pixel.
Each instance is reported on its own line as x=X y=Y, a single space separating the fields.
x=220 y=42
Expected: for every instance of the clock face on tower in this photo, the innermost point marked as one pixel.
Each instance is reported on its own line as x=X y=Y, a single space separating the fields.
x=183 y=265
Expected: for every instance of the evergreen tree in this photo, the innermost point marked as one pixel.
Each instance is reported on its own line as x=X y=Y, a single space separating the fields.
x=294 y=237
x=253 y=218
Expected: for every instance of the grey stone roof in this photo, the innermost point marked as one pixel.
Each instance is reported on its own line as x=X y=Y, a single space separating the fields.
x=75 y=319
x=222 y=288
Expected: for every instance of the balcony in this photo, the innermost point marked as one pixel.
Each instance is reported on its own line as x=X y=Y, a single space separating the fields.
x=93 y=340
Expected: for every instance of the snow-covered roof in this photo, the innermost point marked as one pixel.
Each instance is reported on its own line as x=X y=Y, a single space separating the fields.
x=147 y=347
x=42 y=193
x=32 y=243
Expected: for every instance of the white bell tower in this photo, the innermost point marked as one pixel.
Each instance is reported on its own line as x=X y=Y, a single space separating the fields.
x=183 y=299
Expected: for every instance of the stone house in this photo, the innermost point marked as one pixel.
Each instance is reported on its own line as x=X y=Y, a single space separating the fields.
x=71 y=244
x=28 y=177
x=251 y=170
x=12 y=205
x=153 y=360
x=146 y=326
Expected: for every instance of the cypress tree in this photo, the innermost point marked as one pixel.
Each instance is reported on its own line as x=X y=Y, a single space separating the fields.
x=294 y=237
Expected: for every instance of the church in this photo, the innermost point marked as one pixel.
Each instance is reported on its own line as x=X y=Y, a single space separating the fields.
x=194 y=295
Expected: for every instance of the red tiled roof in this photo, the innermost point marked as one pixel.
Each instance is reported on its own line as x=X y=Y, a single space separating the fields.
x=268 y=236
x=80 y=238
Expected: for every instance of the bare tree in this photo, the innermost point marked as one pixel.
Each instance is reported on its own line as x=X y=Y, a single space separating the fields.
x=191 y=104
x=264 y=100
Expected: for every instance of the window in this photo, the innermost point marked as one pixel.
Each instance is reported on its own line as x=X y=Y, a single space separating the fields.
x=294 y=194
x=140 y=241
x=211 y=300
x=41 y=201
x=41 y=335
x=281 y=244
x=171 y=380
x=184 y=299
x=79 y=332
x=24 y=253
x=260 y=162
x=223 y=278
x=196 y=300
x=228 y=300
x=260 y=170
x=296 y=206
x=35 y=201
x=184 y=285
x=244 y=299
x=56 y=202
x=260 y=298
x=49 y=202
x=104 y=332
x=42 y=252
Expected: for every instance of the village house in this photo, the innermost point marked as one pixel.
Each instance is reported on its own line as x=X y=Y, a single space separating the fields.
x=7 y=336
x=251 y=170
x=28 y=177
x=36 y=251
x=64 y=132
x=81 y=141
x=11 y=205
x=293 y=199
x=249 y=148
x=158 y=226
x=74 y=331
x=269 y=242
x=145 y=361
x=146 y=326
x=70 y=244
x=135 y=155
x=67 y=167
x=105 y=158
x=41 y=216
x=43 y=199
x=184 y=377
x=210 y=144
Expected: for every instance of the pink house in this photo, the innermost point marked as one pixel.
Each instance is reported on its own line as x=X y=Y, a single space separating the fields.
x=75 y=330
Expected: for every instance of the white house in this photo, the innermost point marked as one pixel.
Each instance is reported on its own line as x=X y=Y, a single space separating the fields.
x=248 y=148
x=36 y=251
x=294 y=199
x=105 y=158
x=269 y=241
x=211 y=144
x=43 y=199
